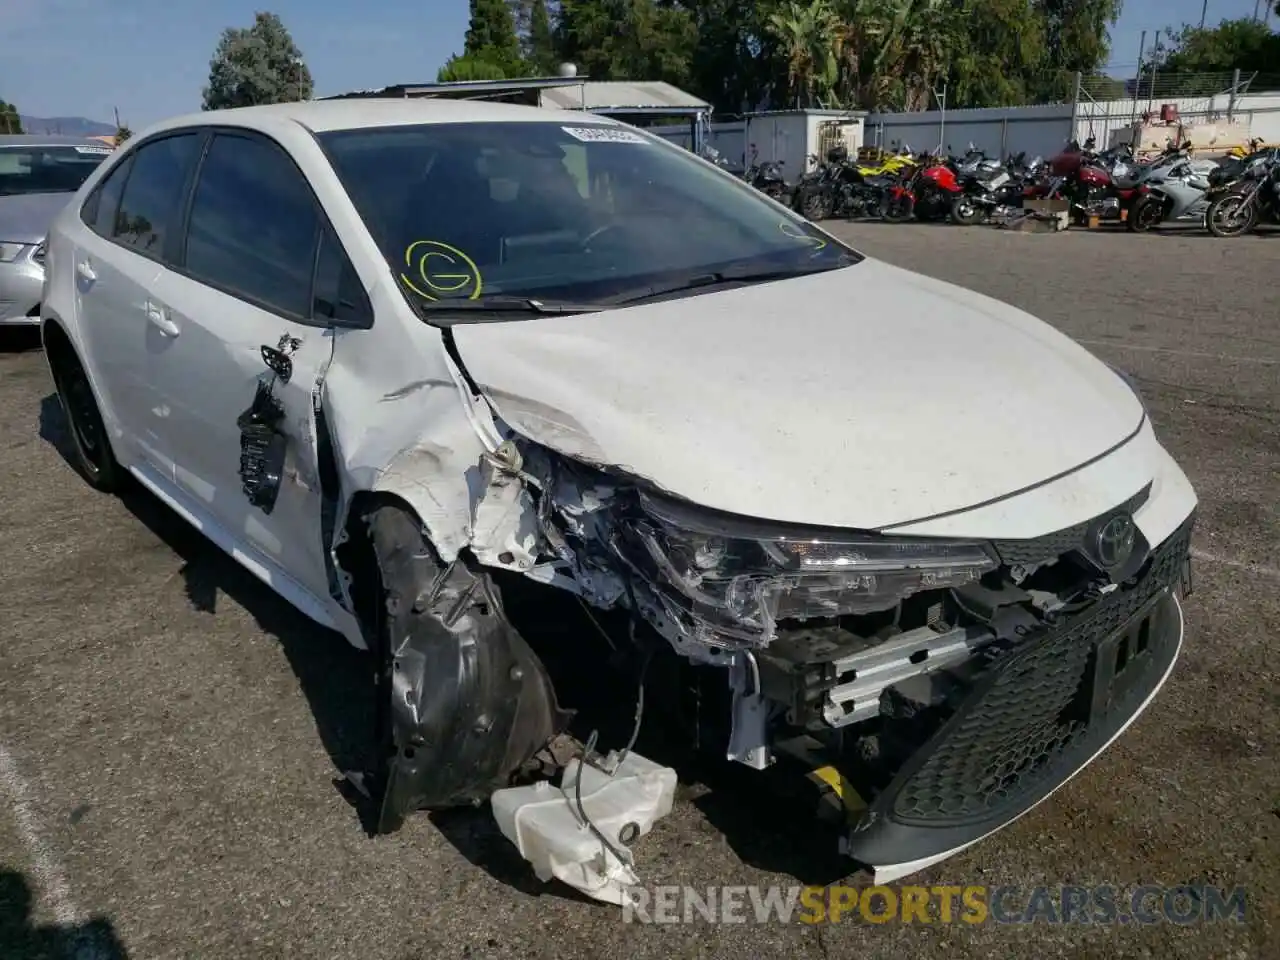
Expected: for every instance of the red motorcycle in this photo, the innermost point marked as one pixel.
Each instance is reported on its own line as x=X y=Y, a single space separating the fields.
x=927 y=194
x=1097 y=185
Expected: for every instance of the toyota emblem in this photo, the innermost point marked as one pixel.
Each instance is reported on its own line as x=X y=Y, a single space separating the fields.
x=1114 y=540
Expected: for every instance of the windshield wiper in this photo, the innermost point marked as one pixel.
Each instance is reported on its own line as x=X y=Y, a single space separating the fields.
x=741 y=274
x=508 y=305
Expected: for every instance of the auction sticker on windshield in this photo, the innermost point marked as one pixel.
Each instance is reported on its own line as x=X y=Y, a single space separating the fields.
x=603 y=135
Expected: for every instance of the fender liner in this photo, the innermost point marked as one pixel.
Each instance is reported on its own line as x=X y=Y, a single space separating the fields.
x=463 y=701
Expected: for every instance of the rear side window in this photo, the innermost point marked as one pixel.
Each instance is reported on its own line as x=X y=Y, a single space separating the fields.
x=151 y=207
x=99 y=211
x=253 y=225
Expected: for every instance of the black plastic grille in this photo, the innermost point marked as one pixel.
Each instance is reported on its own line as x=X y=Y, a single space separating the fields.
x=1053 y=545
x=1025 y=728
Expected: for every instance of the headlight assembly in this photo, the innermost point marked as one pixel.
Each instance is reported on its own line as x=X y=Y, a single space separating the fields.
x=740 y=578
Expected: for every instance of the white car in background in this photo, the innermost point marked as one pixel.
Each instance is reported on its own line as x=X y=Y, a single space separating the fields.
x=379 y=351
x=38 y=175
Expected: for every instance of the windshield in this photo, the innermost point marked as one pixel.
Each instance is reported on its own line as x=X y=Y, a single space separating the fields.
x=585 y=213
x=46 y=168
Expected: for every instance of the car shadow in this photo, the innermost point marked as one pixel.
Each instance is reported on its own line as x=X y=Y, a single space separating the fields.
x=23 y=339
x=22 y=938
x=768 y=828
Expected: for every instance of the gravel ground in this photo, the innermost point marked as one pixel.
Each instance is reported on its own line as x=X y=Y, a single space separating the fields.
x=170 y=732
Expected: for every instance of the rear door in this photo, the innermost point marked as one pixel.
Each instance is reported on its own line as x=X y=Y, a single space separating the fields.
x=250 y=303
x=132 y=219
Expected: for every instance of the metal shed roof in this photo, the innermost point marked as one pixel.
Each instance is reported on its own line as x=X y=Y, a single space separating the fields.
x=463 y=89
x=621 y=96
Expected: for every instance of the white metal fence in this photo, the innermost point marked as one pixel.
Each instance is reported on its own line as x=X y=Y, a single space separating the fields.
x=1039 y=130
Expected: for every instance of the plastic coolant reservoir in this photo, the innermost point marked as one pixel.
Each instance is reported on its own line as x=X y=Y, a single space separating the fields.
x=543 y=822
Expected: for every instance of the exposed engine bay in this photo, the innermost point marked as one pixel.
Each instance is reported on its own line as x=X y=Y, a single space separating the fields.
x=956 y=682
x=822 y=633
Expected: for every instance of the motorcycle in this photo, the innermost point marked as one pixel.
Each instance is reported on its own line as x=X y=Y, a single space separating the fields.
x=767 y=177
x=1255 y=197
x=997 y=194
x=927 y=194
x=810 y=196
x=1103 y=185
x=1176 y=194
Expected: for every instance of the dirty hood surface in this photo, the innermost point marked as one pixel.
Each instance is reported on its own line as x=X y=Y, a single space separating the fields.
x=863 y=397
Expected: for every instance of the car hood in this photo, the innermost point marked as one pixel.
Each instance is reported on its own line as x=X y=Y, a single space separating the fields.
x=26 y=217
x=864 y=397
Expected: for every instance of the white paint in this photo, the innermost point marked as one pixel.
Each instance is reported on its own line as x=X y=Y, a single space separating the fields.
x=1255 y=568
x=1224 y=357
x=856 y=398
x=48 y=871
x=892 y=872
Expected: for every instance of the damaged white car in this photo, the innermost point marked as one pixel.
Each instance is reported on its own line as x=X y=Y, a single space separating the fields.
x=379 y=350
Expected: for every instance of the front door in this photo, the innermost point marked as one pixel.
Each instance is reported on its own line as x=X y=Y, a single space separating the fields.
x=240 y=367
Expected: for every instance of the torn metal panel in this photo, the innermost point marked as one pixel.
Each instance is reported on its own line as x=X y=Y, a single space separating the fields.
x=405 y=423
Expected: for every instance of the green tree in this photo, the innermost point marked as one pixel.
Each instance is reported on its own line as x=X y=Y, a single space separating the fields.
x=734 y=63
x=256 y=65
x=1246 y=43
x=1076 y=39
x=491 y=36
x=459 y=69
x=628 y=39
x=10 y=121
x=540 y=44
x=809 y=36
x=895 y=52
x=998 y=51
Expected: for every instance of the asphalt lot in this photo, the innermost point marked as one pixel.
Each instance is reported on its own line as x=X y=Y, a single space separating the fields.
x=170 y=732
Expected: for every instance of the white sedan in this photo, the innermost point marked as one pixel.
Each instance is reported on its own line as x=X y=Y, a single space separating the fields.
x=380 y=350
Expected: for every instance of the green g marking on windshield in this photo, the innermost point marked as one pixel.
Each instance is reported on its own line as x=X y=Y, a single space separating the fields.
x=793 y=231
x=439 y=270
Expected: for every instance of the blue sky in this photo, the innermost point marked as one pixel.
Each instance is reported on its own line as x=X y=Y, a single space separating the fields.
x=150 y=58
x=1153 y=15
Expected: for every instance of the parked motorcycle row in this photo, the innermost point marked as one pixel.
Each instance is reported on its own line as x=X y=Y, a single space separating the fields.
x=1229 y=197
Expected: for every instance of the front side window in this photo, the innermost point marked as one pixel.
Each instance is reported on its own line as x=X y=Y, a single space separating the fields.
x=47 y=169
x=586 y=213
x=152 y=202
x=253 y=223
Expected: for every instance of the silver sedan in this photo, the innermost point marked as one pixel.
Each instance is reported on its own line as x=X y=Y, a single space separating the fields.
x=38 y=175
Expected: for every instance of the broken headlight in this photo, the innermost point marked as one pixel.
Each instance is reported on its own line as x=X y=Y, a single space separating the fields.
x=740 y=578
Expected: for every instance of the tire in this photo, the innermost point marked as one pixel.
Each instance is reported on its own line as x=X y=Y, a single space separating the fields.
x=815 y=205
x=90 y=451
x=898 y=209
x=966 y=212
x=463 y=703
x=1146 y=214
x=1230 y=204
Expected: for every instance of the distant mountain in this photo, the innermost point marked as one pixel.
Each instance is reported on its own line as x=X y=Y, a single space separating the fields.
x=68 y=126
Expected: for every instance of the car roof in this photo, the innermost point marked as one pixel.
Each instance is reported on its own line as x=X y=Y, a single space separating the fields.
x=322 y=116
x=47 y=140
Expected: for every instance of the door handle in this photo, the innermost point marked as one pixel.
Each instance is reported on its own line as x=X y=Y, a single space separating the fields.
x=159 y=318
x=85 y=269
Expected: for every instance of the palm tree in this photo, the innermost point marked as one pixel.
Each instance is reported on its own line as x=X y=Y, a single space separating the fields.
x=895 y=50
x=807 y=34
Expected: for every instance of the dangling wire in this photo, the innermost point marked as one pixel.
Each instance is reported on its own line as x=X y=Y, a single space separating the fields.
x=581 y=812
